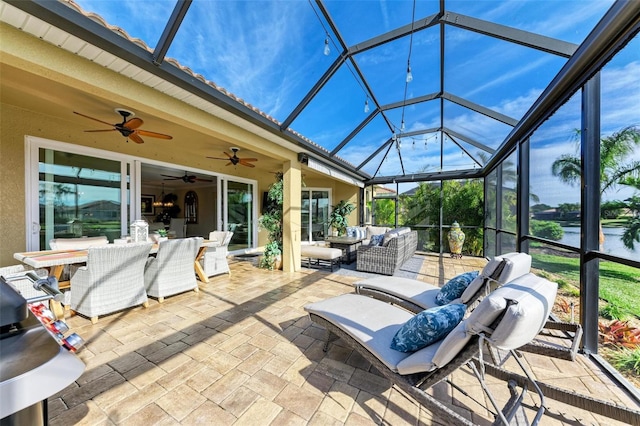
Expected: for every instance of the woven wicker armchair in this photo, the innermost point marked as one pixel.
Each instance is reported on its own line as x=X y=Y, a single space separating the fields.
x=214 y=261
x=171 y=271
x=111 y=281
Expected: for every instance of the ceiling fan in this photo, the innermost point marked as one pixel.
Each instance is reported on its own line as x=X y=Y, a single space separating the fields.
x=187 y=178
x=235 y=160
x=129 y=128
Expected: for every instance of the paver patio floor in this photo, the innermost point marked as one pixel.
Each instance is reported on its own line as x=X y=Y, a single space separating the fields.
x=243 y=351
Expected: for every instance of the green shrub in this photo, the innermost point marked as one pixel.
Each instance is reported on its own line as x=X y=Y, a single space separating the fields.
x=546 y=229
x=626 y=359
x=613 y=312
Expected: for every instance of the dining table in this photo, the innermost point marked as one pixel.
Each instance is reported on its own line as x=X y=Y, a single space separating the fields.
x=55 y=260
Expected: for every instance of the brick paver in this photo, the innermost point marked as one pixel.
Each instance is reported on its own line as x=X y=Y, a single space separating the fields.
x=243 y=351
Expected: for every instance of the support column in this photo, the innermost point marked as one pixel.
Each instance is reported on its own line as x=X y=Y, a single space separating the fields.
x=590 y=214
x=291 y=217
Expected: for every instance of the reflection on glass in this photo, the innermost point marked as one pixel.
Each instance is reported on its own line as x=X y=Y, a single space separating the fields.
x=509 y=194
x=240 y=214
x=315 y=215
x=78 y=196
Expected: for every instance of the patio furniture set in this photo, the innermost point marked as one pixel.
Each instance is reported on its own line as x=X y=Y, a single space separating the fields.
x=416 y=335
x=379 y=250
x=106 y=278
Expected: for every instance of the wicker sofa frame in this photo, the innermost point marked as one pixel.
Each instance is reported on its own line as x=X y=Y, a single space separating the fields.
x=387 y=259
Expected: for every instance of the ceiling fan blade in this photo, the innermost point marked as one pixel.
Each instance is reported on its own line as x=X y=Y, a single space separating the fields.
x=94 y=119
x=203 y=180
x=248 y=159
x=153 y=134
x=101 y=130
x=135 y=137
x=169 y=177
x=134 y=123
x=230 y=164
x=242 y=161
x=229 y=155
x=218 y=158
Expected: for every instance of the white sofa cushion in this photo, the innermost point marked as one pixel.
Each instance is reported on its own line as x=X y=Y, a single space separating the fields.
x=376 y=230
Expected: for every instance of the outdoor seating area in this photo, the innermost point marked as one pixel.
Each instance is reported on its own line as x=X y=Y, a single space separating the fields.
x=168 y=267
x=269 y=213
x=244 y=351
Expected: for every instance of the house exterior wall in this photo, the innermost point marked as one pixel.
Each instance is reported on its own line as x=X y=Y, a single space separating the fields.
x=29 y=56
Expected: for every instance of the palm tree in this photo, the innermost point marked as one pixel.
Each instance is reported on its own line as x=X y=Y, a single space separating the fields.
x=615 y=167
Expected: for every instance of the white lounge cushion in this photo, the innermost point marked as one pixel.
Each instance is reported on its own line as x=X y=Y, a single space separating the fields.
x=513 y=265
x=369 y=321
x=524 y=320
x=419 y=292
x=485 y=314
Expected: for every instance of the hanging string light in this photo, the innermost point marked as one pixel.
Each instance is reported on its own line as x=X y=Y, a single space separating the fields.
x=409 y=76
x=366 y=105
x=327 y=49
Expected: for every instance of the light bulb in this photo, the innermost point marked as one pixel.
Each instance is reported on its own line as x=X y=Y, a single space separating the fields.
x=409 y=75
x=402 y=125
x=366 y=105
x=327 y=50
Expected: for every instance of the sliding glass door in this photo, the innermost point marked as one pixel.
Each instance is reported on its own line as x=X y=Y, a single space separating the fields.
x=239 y=214
x=79 y=195
x=315 y=214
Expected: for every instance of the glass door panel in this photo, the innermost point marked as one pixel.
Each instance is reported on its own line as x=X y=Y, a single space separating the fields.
x=239 y=214
x=315 y=215
x=319 y=215
x=79 y=196
x=304 y=217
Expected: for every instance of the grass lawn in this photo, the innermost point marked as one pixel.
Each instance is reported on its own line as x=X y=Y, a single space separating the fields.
x=619 y=284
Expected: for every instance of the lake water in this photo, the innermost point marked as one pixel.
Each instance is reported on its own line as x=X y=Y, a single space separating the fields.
x=612 y=243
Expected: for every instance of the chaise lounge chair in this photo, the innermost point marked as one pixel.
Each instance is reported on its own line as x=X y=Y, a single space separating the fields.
x=416 y=296
x=506 y=319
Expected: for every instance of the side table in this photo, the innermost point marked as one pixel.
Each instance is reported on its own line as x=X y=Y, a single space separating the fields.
x=348 y=245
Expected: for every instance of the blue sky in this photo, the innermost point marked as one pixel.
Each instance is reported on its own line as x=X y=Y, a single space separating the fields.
x=270 y=53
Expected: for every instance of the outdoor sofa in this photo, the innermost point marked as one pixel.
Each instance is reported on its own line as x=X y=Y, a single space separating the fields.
x=396 y=246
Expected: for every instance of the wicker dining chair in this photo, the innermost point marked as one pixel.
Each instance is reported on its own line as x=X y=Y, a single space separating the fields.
x=172 y=270
x=111 y=281
x=214 y=261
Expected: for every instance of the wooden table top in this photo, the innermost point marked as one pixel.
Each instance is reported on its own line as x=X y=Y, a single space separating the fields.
x=47 y=258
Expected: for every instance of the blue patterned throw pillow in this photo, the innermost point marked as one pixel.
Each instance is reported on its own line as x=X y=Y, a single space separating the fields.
x=455 y=287
x=351 y=231
x=376 y=240
x=428 y=327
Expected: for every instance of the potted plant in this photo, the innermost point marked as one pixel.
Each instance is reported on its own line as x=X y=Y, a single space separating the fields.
x=271 y=221
x=338 y=216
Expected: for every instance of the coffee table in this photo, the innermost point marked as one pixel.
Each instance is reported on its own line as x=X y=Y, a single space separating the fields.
x=348 y=245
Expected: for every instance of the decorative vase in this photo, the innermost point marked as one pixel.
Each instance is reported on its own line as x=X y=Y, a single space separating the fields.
x=456 y=240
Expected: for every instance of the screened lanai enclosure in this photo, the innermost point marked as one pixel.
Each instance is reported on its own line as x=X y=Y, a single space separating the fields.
x=518 y=119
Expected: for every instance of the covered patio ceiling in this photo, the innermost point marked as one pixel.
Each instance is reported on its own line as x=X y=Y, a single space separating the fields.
x=331 y=76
